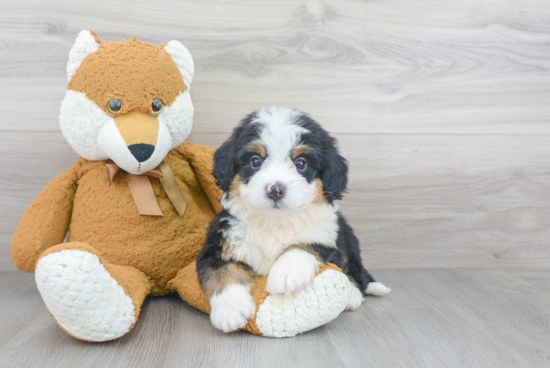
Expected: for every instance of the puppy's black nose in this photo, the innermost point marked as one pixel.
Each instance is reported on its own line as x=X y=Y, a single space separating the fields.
x=276 y=191
x=141 y=151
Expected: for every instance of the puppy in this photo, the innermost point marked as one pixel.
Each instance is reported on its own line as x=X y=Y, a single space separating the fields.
x=280 y=173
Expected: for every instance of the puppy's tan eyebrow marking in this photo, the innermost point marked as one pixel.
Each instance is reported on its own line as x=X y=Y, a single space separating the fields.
x=256 y=147
x=300 y=150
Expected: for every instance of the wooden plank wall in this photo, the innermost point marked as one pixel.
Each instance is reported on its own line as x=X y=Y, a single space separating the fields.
x=442 y=108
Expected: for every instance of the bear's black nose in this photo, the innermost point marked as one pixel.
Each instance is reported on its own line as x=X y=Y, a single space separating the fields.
x=276 y=191
x=141 y=151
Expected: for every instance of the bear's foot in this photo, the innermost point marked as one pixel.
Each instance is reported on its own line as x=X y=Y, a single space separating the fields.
x=317 y=304
x=83 y=297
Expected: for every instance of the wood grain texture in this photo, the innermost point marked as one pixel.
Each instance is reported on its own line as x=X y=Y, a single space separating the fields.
x=391 y=66
x=415 y=201
x=437 y=318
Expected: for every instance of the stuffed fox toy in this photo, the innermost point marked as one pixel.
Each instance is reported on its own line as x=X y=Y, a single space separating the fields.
x=137 y=203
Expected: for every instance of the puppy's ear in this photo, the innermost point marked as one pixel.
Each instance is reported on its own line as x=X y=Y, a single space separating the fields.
x=224 y=166
x=334 y=175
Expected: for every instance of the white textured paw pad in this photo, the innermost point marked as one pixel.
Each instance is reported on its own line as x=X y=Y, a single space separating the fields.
x=319 y=303
x=83 y=297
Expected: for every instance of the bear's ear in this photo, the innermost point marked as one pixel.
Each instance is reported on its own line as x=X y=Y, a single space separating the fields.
x=183 y=59
x=86 y=43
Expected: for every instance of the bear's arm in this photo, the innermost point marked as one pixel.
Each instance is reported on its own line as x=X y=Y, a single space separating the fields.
x=45 y=222
x=201 y=159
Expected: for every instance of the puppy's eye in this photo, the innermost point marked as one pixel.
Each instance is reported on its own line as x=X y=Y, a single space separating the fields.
x=156 y=106
x=115 y=106
x=301 y=164
x=256 y=162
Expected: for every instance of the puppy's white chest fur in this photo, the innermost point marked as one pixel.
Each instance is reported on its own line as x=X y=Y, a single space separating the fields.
x=258 y=239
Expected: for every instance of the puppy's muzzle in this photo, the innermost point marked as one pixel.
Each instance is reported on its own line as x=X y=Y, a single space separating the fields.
x=276 y=191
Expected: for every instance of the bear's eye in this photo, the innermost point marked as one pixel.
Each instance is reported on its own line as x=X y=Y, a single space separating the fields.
x=301 y=164
x=256 y=162
x=157 y=106
x=115 y=106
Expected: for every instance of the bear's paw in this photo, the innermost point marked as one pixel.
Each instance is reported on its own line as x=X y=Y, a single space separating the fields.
x=85 y=300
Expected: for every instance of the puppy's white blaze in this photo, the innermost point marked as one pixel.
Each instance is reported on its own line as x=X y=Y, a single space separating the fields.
x=258 y=239
x=355 y=299
x=279 y=133
x=232 y=308
x=293 y=271
x=178 y=118
x=377 y=288
x=81 y=121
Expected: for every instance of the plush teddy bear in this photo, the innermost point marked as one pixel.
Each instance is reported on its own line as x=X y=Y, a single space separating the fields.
x=137 y=203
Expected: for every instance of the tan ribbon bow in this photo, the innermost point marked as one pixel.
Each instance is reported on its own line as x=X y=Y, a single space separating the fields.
x=142 y=190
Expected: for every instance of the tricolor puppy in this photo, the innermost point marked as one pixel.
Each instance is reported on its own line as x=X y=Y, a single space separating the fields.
x=280 y=173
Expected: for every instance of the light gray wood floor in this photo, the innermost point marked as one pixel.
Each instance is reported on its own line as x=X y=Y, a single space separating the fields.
x=432 y=318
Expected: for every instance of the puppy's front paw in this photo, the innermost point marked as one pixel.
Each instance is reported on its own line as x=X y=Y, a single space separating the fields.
x=293 y=271
x=232 y=308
